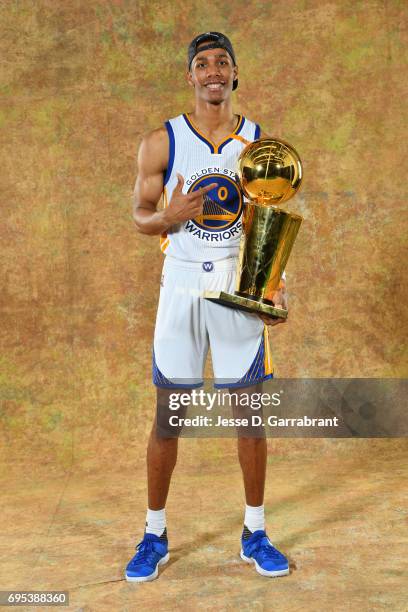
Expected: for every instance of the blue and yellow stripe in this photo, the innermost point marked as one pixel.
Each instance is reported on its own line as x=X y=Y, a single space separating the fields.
x=216 y=149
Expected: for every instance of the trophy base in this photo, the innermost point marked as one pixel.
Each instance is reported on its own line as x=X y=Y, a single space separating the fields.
x=243 y=303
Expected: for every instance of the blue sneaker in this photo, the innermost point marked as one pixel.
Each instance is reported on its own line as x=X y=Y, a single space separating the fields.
x=151 y=552
x=268 y=560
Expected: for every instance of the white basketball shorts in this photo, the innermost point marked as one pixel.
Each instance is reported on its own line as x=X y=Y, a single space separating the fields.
x=187 y=325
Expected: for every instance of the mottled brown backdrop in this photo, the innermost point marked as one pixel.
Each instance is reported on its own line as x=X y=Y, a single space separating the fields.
x=80 y=83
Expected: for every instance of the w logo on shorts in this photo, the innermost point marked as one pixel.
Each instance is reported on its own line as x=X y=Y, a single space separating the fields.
x=208 y=266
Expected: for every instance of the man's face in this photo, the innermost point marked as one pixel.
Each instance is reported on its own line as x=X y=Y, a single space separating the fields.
x=212 y=74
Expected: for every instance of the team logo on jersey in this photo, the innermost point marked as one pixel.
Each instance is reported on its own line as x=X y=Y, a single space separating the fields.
x=222 y=205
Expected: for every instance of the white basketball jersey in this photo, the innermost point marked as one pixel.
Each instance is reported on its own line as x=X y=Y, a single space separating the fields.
x=216 y=233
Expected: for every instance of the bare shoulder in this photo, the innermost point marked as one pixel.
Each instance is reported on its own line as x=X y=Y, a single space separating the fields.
x=154 y=148
x=156 y=137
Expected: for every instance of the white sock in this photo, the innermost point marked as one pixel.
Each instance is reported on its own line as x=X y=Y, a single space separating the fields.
x=156 y=521
x=254 y=518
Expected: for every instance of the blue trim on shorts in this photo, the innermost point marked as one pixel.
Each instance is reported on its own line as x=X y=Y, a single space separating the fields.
x=178 y=386
x=159 y=380
x=255 y=374
x=257 y=132
x=240 y=384
x=172 y=148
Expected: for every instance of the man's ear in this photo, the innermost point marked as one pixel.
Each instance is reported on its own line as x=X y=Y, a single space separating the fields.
x=235 y=73
x=189 y=78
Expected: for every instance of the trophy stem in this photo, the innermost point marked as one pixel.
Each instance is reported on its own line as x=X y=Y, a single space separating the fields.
x=267 y=240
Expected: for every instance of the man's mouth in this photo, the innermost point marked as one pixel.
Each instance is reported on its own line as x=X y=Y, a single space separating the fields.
x=215 y=86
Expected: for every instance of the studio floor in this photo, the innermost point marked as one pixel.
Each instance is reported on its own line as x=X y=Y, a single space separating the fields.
x=336 y=508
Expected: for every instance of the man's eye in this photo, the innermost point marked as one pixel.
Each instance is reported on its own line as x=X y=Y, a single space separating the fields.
x=200 y=65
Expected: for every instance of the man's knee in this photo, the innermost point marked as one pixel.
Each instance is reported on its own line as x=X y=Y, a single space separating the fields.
x=166 y=426
x=246 y=408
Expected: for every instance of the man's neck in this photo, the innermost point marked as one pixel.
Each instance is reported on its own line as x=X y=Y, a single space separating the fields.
x=214 y=117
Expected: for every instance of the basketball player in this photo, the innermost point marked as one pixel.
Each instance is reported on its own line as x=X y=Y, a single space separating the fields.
x=192 y=162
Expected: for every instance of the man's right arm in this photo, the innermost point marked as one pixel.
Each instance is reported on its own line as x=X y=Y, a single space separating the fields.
x=152 y=162
x=153 y=159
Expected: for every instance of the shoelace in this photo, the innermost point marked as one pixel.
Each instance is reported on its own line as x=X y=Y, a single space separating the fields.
x=267 y=550
x=145 y=551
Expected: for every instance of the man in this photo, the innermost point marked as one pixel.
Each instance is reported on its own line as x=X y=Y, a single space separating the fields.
x=192 y=162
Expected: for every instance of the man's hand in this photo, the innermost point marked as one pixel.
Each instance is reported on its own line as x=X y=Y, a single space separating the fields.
x=280 y=299
x=184 y=206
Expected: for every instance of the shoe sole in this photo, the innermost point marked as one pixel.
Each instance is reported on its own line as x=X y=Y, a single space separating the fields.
x=262 y=571
x=151 y=576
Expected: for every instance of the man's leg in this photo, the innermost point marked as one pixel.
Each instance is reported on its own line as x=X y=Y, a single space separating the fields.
x=161 y=459
x=252 y=453
x=252 y=458
x=161 y=456
x=179 y=350
x=162 y=450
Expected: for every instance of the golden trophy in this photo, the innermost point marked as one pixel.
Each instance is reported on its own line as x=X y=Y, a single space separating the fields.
x=269 y=174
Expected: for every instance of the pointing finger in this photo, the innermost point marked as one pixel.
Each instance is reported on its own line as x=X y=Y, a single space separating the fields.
x=202 y=190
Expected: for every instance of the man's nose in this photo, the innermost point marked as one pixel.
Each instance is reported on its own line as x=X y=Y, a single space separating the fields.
x=213 y=70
